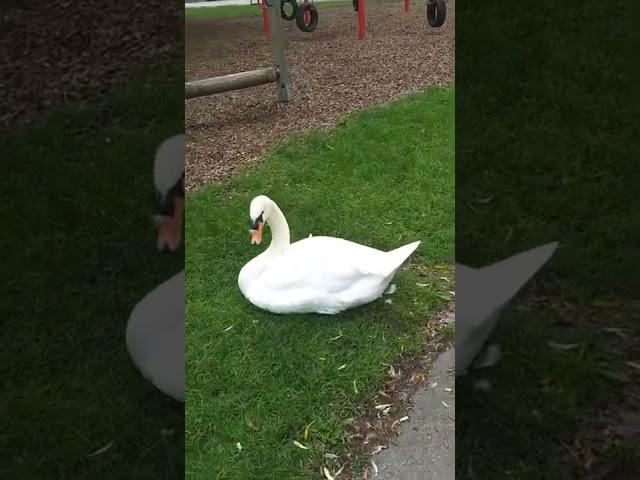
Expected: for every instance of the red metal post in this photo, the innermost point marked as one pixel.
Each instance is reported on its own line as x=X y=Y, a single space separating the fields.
x=362 y=26
x=406 y=5
x=265 y=17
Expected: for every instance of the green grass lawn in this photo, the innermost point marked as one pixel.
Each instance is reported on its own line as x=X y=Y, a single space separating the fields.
x=82 y=254
x=540 y=158
x=384 y=178
x=235 y=11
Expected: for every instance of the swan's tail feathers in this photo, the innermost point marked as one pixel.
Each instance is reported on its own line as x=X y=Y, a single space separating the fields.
x=398 y=256
x=389 y=263
x=507 y=277
x=480 y=292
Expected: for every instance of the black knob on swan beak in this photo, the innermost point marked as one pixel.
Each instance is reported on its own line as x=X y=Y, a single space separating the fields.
x=254 y=225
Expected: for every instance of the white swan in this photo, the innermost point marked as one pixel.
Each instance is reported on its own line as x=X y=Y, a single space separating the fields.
x=481 y=294
x=155 y=331
x=315 y=275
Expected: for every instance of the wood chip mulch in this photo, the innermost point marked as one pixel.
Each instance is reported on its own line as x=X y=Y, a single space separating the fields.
x=60 y=50
x=333 y=74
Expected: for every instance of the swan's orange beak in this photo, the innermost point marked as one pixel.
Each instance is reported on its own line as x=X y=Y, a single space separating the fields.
x=170 y=228
x=256 y=234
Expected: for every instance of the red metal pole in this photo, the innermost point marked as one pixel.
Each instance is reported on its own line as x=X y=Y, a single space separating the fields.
x=406 y=5
x=265 y=18
x=362 y=26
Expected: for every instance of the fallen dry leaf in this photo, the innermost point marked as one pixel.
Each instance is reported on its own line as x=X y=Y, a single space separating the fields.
x=635 y=365
x=102 y=450
x=327 y=475
x=299 y=445
x=378 y=449
x=306 y=431
x=617 y=331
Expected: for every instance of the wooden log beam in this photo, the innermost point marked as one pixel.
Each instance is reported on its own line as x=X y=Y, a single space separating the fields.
x=235 y=81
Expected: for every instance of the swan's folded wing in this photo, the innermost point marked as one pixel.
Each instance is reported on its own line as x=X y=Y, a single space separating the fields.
x=322 y=274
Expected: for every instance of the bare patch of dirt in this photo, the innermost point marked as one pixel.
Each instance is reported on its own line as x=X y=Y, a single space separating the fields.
x=333 y=74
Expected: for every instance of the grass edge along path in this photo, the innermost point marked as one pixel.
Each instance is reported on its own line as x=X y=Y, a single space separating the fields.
x=257 y=382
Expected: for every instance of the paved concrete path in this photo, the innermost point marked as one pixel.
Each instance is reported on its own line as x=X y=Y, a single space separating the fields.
x=425 y=449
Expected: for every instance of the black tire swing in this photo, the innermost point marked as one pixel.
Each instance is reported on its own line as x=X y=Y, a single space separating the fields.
x=436 y=12
x=294 y=9
x=301 y=17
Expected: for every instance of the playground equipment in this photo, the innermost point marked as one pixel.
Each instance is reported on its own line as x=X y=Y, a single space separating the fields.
x=436 y=14
x=305 y=15
x=278 y=74
x=294 y=9
x=235 y=81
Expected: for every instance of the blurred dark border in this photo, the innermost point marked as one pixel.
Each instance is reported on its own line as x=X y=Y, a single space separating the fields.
x=89 y=90
x=547 y=137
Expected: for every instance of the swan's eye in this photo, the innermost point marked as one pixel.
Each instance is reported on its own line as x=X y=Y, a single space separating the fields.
x=254 y=225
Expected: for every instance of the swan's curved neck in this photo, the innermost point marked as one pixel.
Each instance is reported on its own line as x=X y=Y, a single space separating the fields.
x=280 y=237
x=279 y=243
